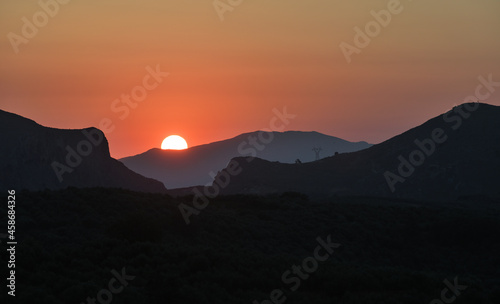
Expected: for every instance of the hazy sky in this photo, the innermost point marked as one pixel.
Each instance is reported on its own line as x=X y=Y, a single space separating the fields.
x=227 y=76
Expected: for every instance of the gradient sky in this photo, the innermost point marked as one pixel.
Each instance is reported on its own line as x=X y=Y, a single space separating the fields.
x=227 y=76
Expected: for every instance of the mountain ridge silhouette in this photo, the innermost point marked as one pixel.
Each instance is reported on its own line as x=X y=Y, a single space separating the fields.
x=466 y=164
x=35 y=157
x=195 y=165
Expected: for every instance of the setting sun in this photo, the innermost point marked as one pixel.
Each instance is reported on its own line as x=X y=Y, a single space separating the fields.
x=174 y=142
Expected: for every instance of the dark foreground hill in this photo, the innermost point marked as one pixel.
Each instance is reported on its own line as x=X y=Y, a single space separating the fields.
x=452 y=155
x=238 y=249
x=35 y=157
x=194 y=165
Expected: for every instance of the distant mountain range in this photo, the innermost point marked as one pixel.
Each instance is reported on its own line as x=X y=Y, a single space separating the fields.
x=198 y=165
x=452 y=155
x=35 y=157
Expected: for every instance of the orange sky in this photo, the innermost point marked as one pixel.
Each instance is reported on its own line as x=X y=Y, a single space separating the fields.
x=225 y=77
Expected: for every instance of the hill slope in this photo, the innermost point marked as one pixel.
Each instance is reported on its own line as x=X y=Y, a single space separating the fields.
x=35 y=157
x=454 y=154
x=192 y=166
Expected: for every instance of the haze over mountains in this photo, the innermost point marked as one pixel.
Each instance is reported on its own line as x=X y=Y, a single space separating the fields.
x=452 y=155
x=198 y=165
x=35 y=157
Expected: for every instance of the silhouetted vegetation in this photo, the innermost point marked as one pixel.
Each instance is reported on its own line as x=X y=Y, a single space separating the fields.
x=236 y=250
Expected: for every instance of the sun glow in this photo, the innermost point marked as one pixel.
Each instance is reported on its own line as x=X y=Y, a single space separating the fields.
x=174 y=142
